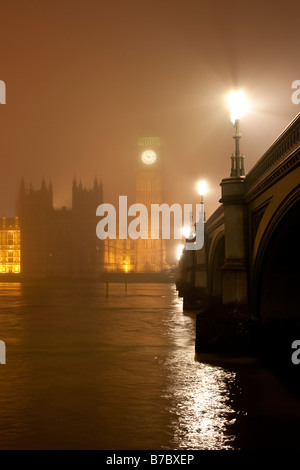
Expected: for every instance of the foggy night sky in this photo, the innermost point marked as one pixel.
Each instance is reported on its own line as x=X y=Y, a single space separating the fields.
x=85 y=79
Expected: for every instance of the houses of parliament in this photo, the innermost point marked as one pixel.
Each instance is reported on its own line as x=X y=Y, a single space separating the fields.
x=42 y=241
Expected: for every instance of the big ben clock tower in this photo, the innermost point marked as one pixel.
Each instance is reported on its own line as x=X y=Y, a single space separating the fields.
x=150 y=254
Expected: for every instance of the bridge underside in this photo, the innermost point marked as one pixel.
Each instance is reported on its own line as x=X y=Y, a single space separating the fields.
x=277 y=296
x=279 y=287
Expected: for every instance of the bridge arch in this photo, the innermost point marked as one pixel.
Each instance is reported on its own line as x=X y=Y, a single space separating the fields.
x=275 y=290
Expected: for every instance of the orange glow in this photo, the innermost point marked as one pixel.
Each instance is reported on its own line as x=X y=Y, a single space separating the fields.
x=10 y=254
x=10 y=268
x=126 y=266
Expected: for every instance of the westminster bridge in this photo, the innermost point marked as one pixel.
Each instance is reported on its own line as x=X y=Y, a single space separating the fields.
x=250 y=261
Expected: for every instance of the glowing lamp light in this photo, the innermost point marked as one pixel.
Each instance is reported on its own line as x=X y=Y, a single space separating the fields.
x=179 y=251
x=186 y=231
x=237 y=105
x=202 y=188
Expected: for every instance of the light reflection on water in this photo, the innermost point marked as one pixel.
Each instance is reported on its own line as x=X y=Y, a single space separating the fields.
x=200 y=410
x=88 y=372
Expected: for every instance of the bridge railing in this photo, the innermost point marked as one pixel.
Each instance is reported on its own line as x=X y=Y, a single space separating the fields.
x=288 y=140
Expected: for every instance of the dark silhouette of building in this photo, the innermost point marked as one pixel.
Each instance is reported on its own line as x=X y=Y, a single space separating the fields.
x=60 y=242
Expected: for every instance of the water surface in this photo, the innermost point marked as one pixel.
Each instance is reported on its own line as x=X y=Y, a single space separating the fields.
x=87 y=371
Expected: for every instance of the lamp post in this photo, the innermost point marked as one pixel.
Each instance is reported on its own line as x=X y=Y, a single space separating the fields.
x=202 y=188
x=235 y=267
x=187 y=230
x=237 y=105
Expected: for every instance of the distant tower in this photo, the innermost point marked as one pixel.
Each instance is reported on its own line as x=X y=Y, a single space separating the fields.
x=59 y=242
x=35 y=210
x=150 y=255
x=87 y=249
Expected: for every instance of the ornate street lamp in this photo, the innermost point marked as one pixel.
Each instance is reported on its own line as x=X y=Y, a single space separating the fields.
x=237 y=105
x=202 y=190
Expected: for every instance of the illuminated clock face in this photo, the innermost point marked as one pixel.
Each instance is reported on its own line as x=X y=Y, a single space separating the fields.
x=149 y=157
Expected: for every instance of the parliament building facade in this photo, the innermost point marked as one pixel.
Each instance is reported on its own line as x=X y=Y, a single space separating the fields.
x=42 y=241
x=59 y=242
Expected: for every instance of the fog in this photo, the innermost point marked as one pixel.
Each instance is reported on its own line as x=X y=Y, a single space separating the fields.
x=85 y=79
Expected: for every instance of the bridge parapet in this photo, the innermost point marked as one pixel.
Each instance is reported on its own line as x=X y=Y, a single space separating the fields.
x=284 y=145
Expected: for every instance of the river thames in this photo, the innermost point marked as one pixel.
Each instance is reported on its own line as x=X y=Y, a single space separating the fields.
x=86 y=370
